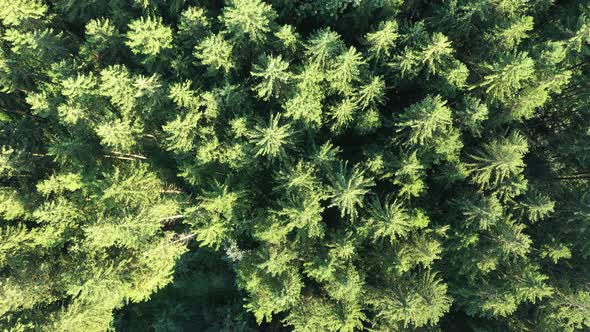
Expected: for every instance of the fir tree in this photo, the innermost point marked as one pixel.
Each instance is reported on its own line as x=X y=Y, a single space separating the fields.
x=383 y=40
x=149 y=37
x=273 y=75
x=345 y=71
x=216 y=52
x=322 y=46
x=294 y=165
x=249 y=18
x=499 y=161
x=271 y=140
x=349 y=187
x=424 y=119
x=507 y=76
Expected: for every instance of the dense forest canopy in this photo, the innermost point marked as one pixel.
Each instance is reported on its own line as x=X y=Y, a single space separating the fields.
x=318 y=165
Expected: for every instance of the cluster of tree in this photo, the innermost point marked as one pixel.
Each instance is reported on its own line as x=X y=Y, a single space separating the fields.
x=321 y=165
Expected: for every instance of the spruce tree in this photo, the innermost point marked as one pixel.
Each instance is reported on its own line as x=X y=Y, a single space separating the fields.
x=287 y=165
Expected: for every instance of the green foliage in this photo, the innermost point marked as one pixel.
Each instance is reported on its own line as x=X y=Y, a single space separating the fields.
x=214 y=215
x=436 y=52
x=372 y=94
x=383 y=40
x=118 y=135
x=425 y=119
x=288 y=38
x=216 y=52
x=11 y=207
x=409 y=176
x=500 y=160
x=482 y=213
x=17 y=13
x=254 y=165
x=555 y=252
x=322 y=46
x=307 y=102
x=413 y=302
x=345 y=71
x=271 y=140
x=213 y=303
x=389 y=220
x=149 y=37
x=326 y=10
x=342 y=115
x=269 y=294
x=252 y=19
x=36 y=44
x=273 y=75
x=570 y=310
x=58 y=184
x=538 y=206
x=472 y=114
x=510 y=35
x=507 y=76
x=349 y=186
x=102 y=38
x=193 y=22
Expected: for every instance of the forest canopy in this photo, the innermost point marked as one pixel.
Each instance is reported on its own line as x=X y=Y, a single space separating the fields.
x=318 y=165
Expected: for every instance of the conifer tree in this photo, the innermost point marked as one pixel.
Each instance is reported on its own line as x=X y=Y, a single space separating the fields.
x=249 y=18
x=148 y=37
x=349 y=187
x=383 y=40
x=323 y=46
x=272 y=140
x=500 y=160
x=507 y=76
x=273 y=75
x=424 y=119
x=216 y=52
x=345 y=71
x=284 y=165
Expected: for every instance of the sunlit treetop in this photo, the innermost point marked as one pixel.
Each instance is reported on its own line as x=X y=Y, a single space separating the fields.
x=318 y=165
